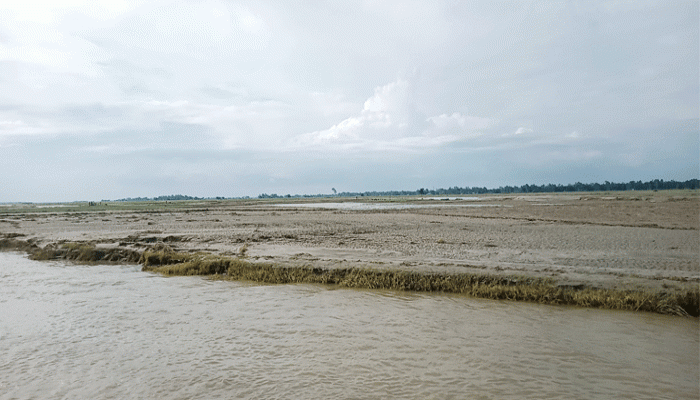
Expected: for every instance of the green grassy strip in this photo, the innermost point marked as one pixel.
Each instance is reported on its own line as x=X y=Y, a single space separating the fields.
x=520 y=288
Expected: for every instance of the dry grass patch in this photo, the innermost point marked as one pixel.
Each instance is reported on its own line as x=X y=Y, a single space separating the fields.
x=539 y=290
x=83 y=252
x=521 y=288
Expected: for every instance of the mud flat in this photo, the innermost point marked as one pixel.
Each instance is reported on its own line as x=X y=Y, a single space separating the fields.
x=645 y=242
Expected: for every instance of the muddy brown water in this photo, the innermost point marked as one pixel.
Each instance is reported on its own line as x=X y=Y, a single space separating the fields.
x=104 y=332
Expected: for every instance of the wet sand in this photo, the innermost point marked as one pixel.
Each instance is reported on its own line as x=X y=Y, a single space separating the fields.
x=616 y=240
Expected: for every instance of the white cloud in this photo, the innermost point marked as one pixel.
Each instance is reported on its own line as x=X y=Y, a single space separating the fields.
x=276 y=80
x=50 y=11
x=17 y=127
x=461 y=121
x=389 y=120
x=331 y=103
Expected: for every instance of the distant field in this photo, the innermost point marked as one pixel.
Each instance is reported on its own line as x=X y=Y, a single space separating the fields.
x=86 y=206
x=642 y=241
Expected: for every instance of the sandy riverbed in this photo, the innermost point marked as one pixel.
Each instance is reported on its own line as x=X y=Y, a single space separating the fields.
x=616 y=240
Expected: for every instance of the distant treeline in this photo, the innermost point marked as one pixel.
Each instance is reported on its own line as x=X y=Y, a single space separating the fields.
x=171 y=197
x=656 y=184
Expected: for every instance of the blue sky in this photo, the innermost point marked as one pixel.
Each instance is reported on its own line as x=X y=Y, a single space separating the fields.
x=105 y=100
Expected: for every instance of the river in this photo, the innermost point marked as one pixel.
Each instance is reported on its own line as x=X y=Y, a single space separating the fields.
x=112 y=331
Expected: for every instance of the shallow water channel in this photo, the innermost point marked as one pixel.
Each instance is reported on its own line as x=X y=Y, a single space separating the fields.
x=77 y=331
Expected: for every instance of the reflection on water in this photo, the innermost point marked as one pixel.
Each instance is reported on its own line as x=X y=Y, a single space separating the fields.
x=72 y=331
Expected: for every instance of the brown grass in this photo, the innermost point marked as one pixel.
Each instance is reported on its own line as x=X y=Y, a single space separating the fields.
x=537 y=290
x=87 y=253
x=522 y=288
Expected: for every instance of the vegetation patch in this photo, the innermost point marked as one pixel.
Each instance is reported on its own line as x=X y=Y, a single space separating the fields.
x=84 y=252
x=163 y=260
x=72 y=251
x=521 y=288
x=10 y=243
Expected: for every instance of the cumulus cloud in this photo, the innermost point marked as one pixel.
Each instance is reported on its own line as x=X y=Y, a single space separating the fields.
x=148 y=81
x=458 y=125
x=390 y=119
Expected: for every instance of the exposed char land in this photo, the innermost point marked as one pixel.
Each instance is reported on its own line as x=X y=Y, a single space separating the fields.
x=618 y=240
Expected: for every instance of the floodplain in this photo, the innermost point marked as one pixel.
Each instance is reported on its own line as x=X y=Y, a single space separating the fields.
x=640 y=250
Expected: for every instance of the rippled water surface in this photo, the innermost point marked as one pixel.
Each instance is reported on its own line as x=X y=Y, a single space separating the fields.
x=76 y=331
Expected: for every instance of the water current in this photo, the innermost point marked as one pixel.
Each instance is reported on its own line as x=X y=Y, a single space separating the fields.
x=107 y=332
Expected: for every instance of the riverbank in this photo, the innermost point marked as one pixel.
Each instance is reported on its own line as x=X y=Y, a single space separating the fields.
x=513 y=287
x=626 y=243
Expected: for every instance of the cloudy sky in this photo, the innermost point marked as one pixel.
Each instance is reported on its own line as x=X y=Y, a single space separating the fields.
x=113 y=99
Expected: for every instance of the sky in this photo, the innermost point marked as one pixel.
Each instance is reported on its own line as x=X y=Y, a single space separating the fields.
x=114 y=99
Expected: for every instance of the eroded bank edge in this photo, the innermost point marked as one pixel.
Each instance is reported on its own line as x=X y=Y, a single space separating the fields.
x=512 y=287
